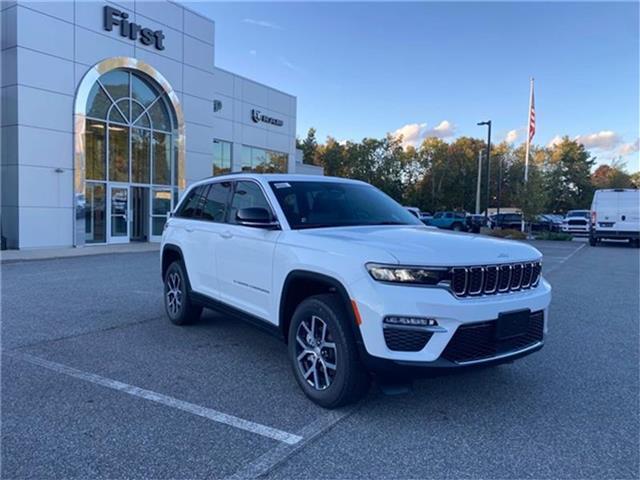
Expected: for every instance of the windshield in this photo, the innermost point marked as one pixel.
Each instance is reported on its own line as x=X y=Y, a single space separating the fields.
x=578 y=213
x=308 y=204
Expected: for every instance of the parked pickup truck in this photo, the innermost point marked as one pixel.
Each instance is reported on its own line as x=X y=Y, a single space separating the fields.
x=353 y=282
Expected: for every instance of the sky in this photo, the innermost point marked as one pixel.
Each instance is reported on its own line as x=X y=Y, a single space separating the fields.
x=422 y=69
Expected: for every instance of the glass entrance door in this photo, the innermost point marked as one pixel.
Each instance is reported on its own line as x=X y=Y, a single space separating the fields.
x=118 y=214
x=160 y=206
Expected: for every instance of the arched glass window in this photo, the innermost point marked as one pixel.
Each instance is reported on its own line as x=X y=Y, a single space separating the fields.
x=129 y=130
x=130 y=137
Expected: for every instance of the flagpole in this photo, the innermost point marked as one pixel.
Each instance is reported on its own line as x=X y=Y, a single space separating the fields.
x=528 y=145
x=526 y=154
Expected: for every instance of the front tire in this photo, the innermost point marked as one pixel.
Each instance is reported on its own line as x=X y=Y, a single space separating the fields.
x=177 y=303
x=323 y=353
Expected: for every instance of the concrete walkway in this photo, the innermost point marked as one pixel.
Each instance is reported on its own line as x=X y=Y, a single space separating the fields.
x=11 y=256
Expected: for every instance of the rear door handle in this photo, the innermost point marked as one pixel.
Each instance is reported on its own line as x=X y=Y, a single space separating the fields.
x=226 y=235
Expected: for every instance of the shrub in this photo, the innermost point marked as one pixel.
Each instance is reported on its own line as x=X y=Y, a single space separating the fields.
x=508 y=233
x=560 y=236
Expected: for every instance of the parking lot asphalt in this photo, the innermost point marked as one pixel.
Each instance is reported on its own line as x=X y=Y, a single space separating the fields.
x=97 y=383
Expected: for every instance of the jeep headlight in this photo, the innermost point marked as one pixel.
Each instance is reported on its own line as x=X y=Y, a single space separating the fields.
x=408 y=275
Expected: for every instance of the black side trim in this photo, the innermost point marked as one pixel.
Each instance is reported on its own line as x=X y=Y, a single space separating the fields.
x=218 y=306
x=169 y=247
x=298 y=275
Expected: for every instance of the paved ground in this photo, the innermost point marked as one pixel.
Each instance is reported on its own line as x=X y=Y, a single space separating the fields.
x=97 y=383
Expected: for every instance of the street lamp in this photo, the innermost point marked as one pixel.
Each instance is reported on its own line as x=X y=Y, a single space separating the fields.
x=488 y=124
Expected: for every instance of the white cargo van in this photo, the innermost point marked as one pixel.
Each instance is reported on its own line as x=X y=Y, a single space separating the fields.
x=615 y=214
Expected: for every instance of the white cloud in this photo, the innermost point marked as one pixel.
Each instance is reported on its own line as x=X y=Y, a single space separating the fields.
x=604 y=140
x=554 y=141
x=414 y=133
x=261 y=23
x=629 y=148
x=512 y=136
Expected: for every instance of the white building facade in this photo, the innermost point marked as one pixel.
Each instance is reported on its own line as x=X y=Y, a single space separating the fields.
x=110 y=109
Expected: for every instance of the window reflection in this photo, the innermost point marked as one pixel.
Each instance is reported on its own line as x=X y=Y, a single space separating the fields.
x=161 y=159
x=118 y=154
x=96 y=159
x=221 y=157
x=140 y=155
x=263 y=161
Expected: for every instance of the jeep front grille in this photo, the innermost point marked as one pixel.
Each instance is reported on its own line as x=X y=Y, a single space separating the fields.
x=492 y=279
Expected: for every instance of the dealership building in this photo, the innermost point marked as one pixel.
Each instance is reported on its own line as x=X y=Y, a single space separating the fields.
x=109 y=110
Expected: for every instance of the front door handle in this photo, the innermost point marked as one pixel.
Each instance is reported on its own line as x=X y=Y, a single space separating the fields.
x=188 y=229
x=226 y=235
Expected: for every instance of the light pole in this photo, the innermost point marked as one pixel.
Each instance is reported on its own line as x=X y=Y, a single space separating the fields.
x=488 y=124
x=479 y=182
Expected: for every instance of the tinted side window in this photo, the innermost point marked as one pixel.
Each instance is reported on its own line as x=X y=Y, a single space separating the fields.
x=215 y=204
x=192 y=205
x=247 y=194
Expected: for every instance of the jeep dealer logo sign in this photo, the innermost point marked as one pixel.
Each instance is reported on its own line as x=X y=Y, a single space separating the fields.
x=258 y=117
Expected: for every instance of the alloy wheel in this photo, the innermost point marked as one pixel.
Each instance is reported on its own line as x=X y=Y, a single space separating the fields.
x=174 y=294
x=316 y=353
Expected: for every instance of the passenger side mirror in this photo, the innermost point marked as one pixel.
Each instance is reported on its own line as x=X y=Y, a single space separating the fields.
x=256 y=217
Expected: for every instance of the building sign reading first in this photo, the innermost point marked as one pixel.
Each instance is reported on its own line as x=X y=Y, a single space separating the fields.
x=115 y=18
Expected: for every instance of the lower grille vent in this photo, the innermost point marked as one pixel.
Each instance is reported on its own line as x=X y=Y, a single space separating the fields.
x=406 y=339
x=477 y=341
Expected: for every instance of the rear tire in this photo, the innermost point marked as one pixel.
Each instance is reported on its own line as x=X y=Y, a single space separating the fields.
x=456 y=227
x=323 y=353
x=177 y=303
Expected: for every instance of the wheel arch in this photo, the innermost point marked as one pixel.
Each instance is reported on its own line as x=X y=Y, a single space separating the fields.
x=301 y=284
x=170 y=253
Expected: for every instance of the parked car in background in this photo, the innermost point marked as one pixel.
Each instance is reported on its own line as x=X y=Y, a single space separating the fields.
x=577 y=222
x=426 y=217
x=456 y=221
x=506 y=221
x=615 y=214
x=547 y=223
x=475 y=222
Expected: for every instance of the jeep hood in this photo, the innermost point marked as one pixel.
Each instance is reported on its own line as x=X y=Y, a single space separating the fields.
x=417 y=245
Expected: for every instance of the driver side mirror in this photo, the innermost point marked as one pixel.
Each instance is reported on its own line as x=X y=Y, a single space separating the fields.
x=256 y=217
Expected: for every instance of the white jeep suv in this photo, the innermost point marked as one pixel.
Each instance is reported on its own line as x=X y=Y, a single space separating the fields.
x=351 y=280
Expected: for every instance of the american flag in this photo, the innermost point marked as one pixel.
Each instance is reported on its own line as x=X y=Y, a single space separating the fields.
x=532 y=117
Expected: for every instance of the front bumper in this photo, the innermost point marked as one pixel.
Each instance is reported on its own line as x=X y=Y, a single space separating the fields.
x=376 y=301
x=402 y=369
x=576 y=228
x=615 y=234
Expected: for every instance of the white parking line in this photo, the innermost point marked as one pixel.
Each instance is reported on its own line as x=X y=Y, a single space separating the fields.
x=564 y=259
x=264 y=464
x=205 y=412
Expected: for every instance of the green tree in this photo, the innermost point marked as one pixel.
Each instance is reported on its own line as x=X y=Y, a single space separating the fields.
x=568 y=176
x=309 y=147
x=332 y=157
